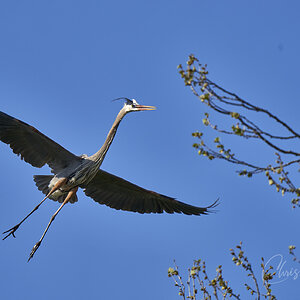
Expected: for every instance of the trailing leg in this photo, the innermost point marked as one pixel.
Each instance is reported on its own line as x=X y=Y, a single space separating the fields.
x=12 y=230
x=36 y=246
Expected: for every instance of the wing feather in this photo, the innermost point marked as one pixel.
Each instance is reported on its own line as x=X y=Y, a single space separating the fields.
x=34 y=147
x=118 y=193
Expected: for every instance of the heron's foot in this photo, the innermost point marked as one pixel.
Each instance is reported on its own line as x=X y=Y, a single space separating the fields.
x=35 y=247
x=11 y=231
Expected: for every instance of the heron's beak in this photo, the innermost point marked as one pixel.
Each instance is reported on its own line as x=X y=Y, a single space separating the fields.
x=145 y=107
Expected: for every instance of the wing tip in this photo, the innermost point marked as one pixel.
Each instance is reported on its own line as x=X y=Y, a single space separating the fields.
x=215 y=204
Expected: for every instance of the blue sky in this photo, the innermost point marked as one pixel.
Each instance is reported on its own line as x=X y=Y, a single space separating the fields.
x=61 y=62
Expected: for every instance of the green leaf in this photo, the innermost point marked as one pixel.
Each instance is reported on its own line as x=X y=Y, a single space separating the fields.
x=235 y=115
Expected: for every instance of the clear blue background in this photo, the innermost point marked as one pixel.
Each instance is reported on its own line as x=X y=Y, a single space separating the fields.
x=61 y=62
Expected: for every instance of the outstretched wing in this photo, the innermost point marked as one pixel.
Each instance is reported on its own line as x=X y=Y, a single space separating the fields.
x=118 y=193
x=33 y=146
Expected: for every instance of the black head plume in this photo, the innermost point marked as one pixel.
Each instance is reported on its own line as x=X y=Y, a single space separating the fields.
x=122 y=98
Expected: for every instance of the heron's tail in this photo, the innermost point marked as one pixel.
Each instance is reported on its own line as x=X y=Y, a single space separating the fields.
x=42 y=182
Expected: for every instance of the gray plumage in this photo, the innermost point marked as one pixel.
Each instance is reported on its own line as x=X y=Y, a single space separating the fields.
x=71 y=171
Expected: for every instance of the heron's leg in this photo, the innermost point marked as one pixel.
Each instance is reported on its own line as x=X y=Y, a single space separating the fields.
x=36 y=246
x=12 y=230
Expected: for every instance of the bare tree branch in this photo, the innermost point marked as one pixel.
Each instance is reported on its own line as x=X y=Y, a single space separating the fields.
x=218 y=287
x=226 y=103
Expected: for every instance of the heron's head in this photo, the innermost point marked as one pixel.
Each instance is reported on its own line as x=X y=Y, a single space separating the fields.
x=132 y=105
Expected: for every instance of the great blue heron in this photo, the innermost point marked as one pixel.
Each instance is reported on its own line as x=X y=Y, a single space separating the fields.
x=71 y=172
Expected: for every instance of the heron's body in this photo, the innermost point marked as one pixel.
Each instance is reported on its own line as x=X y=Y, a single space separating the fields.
x=71 y=172
x=83 y=172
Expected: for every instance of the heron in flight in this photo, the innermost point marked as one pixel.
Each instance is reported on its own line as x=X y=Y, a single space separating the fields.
x=71 y=172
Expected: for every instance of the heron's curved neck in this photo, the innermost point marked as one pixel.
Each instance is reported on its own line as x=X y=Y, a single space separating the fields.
x=99 y=156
